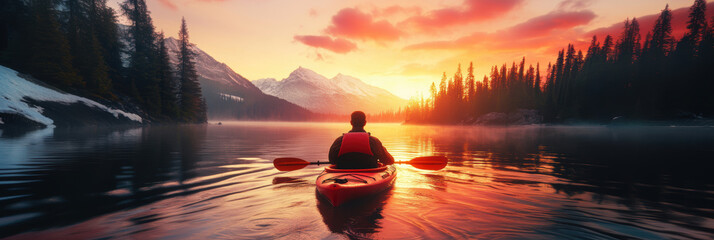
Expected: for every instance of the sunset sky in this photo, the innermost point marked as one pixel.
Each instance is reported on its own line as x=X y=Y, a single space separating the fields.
x=400 y=45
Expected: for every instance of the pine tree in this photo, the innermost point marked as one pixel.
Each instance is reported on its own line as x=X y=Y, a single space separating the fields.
x=558 y=71
x=106 y=30
x=684 y=59
x=85 y=47
x=536 y=86
x=470 y=85
x=142 y=82
x=629 y=45
x=191 y=102
x=432 y=91
x=705 y=64
x=15 y=19
x=458 y=85
x=662 y=40
x=654 y=58
x=697 y=23
x=167 y=80
x=50 y=59
x=606 y=50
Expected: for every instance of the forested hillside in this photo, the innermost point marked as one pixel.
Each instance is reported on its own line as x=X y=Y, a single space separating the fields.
x=656 y=77
x=77 y=46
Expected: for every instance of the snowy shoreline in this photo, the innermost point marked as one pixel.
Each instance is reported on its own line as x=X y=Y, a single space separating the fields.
x=22 y=98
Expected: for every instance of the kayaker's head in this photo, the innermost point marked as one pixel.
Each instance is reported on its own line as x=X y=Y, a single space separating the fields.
x=358 y=120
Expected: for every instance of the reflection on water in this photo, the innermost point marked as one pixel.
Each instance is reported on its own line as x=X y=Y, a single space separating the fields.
x=218 y=182
x=356 y=219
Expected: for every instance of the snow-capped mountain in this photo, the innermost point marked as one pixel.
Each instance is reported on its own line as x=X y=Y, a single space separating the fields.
x=229 y=95
x=210 y=69
x=341 y=94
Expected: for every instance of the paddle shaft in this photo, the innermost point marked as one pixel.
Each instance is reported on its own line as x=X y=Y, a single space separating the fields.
x=318 y=163
x=428 y=163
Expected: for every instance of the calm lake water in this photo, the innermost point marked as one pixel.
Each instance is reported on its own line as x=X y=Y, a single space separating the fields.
x=534 y=182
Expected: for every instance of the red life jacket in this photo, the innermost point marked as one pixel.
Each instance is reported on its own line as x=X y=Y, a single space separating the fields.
x=355 y=142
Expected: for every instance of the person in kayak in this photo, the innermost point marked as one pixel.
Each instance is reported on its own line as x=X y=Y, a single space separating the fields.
x=357 y=149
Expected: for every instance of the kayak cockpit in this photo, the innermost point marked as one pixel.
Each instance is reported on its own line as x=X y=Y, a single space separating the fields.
x=334 y=169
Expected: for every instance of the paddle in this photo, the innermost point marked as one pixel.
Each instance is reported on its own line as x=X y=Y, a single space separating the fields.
x=426 y=163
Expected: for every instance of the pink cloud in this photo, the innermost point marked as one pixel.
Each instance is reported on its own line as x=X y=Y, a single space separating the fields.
x=338 y=45
x=538 y=32
x=574 y=4
x=168 y=4
x=470 y=11
x=543 y=25
x=354 y=24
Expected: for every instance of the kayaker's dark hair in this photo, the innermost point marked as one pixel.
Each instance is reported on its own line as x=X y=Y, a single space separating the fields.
x=359 y=119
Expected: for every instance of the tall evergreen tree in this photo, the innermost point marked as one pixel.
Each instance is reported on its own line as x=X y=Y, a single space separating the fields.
x=705 y=64
x=85 y=47
x=536 y=86
x=192 y=104
x=662 y=40
x=167 y=80
x=629 y=44
x=697 y=24
x=15 y=19
x=142 y=82
x=106 y=30
x=50 y=59
x=684 y=59
x=470 y=84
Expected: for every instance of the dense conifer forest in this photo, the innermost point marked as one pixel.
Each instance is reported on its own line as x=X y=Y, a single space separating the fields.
x=655 y=78
x=78 y=46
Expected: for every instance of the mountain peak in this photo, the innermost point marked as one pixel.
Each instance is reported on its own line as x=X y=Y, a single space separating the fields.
x=302 y=69
x=340 y=94
x=305 y=74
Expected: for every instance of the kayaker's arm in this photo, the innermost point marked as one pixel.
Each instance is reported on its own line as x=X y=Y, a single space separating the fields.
x=381 y=152
x=388 y=159
x=334 y=150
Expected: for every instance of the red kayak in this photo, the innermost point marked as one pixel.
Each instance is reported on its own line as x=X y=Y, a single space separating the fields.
x=342 y=185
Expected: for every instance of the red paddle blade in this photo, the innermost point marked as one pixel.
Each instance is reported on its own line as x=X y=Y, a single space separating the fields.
x=289 y=164
x=429 y=162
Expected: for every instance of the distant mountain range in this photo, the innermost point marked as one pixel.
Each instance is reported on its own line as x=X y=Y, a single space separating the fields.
x=231 y=96
x=341 y=94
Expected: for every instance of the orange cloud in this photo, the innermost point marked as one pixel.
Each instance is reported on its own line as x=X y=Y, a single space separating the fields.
x=338 y=45
x=536 y=33
x=471 y=11
x=354 y=24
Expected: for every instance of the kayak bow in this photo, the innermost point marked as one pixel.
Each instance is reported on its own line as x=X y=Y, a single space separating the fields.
x=343 y=185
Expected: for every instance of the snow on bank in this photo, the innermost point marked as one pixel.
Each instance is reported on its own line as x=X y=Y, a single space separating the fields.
x=13 y=89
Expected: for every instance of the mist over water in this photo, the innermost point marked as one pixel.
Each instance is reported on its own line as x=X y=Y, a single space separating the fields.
x=213 y=181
